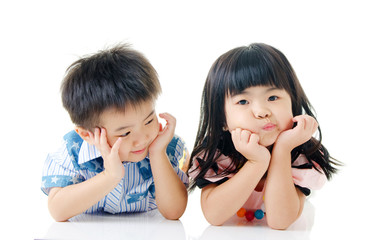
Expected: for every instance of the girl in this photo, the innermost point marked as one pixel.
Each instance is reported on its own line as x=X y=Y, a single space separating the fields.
x=254 y=146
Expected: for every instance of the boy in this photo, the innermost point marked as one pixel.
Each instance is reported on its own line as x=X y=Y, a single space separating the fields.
x=118 y=159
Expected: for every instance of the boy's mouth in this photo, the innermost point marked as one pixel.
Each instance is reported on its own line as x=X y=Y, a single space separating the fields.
x=139 y=151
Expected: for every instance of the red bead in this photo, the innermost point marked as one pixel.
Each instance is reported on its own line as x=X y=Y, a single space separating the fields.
x=249 y=215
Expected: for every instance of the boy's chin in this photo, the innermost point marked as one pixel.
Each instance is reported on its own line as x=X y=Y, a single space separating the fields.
x=136 y=159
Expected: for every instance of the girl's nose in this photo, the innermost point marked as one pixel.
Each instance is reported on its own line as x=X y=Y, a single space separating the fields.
x=261 y=111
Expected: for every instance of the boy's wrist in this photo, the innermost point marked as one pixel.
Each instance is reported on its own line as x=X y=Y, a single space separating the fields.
x=112 y=178
x=156 y=155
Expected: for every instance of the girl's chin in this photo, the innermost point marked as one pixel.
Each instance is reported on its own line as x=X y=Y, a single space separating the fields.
x=268 y=143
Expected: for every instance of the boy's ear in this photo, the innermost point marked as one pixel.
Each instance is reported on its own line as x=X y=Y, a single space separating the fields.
x=84 y=134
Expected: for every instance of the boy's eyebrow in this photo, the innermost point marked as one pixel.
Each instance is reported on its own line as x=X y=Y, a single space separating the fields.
x=123 y=127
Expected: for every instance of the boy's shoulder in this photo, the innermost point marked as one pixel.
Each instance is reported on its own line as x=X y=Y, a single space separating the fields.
x=74 y=144
x=176 y=151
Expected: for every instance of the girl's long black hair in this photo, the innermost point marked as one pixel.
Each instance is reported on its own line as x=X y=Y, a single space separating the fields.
x=255 y=65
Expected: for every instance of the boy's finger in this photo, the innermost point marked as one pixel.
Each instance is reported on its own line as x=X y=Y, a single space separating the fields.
x=103 y=139
x=97 y=137
x=116 y=145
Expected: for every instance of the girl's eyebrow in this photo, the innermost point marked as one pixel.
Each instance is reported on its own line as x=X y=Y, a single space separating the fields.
x=124 y=127
x=272 y=89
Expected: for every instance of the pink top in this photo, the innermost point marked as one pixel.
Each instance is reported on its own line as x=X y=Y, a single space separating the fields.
x=308 y=178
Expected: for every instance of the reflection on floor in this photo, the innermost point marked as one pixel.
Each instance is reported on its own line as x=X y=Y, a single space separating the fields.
x=151 y=225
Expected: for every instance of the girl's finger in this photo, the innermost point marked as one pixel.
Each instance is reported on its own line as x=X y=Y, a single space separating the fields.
x=254 y=138
x=245 y=136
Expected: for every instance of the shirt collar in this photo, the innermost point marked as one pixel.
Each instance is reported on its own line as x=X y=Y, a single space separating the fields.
x=87 y=153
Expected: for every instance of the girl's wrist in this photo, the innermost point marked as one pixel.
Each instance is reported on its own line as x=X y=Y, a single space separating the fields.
x=283 y=147
x=258 y=164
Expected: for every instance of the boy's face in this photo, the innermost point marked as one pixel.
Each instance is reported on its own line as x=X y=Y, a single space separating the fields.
x=138 y=126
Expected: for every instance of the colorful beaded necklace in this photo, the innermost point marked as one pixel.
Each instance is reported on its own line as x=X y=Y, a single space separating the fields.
x=249 y=214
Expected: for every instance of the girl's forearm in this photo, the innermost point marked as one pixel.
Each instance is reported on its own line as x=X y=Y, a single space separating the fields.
x=72 y=200
x=283 y=201
x=221 y=202
x=170 y=192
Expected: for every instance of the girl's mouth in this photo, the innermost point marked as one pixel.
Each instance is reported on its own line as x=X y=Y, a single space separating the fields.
x=269 y=127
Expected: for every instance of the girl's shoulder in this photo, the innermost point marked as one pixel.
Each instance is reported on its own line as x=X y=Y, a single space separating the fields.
x=307 y=173
x=217 y=168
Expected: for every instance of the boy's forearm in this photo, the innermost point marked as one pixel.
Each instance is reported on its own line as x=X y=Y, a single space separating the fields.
x=170 y=192
x=72 y=200
x=282 y=200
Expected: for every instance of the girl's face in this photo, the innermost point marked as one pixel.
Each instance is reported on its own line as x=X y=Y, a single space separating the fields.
x=263 y=110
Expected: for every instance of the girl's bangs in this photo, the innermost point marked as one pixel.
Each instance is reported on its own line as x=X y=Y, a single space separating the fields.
x=251 y=70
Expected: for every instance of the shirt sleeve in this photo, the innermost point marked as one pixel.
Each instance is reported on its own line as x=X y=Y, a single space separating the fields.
x=215 y=173
x=176 y=152
x=58 y=171
x=307 y=176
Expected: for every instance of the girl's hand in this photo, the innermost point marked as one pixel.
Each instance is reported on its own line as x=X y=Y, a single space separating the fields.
x=112 y=163
x=247 y=144
x=165 y=135
x=306 y=127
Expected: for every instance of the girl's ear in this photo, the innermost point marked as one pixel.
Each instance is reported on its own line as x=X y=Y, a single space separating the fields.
x=85 y=135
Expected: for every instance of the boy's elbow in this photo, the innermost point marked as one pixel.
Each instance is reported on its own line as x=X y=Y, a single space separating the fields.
x=58 y=216
x=173 y=214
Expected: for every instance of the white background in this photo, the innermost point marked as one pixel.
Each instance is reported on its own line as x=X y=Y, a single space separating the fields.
x=332 y=45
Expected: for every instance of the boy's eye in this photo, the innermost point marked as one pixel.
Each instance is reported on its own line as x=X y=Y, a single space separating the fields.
x=150 y=121
x=242 y=102
x=273 y=98
x=125 y=134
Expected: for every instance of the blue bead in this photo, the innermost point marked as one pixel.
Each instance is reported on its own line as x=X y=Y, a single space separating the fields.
x=259 y=214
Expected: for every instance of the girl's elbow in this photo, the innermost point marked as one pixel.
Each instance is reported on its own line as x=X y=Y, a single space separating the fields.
x=214 y=220
x=278 y=225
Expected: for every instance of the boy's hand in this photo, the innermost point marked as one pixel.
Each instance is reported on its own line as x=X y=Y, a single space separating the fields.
x=247 y=143
x=165 y=135
x=306 y=127
x=112 y=163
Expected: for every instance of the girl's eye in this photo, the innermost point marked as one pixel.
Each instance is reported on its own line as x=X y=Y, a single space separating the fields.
x=125 y=134
x=242 y=102
x=273 y=98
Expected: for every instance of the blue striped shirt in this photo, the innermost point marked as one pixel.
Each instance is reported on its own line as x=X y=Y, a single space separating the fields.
x=76 y=161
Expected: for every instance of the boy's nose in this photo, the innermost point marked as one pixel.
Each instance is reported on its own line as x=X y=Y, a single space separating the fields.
x=140 y=140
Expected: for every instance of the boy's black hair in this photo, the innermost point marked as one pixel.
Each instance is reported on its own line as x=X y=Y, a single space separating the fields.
x=112 y=78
